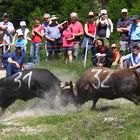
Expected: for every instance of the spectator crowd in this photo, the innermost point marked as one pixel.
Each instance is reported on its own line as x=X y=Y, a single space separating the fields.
x=69 y=37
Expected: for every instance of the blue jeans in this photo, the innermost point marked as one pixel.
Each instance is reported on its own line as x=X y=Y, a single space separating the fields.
x=11 y=69
x=127 y=64
x=35 y=51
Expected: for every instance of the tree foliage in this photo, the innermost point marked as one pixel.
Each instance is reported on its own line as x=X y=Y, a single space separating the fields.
x=26 y=10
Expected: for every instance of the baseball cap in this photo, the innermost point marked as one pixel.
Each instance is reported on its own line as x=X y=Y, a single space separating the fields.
x=5 y=15
x=73 y=14
x=135 y=17
x=124 y=10
x=91 y=13
x=53 y=17
x=113 y=45
x=22 y=23
x=103 y=11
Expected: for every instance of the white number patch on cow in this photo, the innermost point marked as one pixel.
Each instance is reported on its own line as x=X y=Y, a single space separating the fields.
x=27 y=76
x=100 y=83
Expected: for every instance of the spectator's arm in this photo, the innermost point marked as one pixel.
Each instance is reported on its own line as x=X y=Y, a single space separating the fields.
x=13 y=62
x=86 y=31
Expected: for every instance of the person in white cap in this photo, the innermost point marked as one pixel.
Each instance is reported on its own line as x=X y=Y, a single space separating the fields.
x=23 y=28
x=90 y=31
x=123 y=27
x=78 y=31
x=53 y=38
x=20 y=41
x=104 y=26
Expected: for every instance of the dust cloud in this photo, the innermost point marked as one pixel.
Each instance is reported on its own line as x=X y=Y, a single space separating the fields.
x=40 y=107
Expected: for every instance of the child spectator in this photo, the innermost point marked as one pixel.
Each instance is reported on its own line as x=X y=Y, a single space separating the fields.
x=116 y=55
x=21 y=41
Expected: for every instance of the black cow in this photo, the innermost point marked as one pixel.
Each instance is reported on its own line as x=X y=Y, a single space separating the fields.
x=98 y=83
x=32 y=83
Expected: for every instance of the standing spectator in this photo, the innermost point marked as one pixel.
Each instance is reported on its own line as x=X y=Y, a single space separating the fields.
x=67 y=42
x=104 y=26
x=24 y=30
x=123 y=27
x=21 y=41
x=116 y=55
x=102 y=56
x=8 y=28
x=134 y=32
x=45 y=24
x=53 y=36
x=36 y=44
x=132 y=60
x=78 y=32
x=90 y=29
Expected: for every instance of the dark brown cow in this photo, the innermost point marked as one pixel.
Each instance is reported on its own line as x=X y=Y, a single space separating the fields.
x=98 y=83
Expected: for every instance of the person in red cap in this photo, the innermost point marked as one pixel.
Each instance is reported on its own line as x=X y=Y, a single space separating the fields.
x=89 y=29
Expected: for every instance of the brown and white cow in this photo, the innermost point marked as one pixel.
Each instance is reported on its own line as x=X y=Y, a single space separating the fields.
x=98 y=83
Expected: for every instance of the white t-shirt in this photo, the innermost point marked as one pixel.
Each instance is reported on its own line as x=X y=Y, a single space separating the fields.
x=25 y=33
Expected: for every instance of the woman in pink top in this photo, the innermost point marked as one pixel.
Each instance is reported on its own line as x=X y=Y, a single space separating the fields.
x=36 y=44
x=68 y=42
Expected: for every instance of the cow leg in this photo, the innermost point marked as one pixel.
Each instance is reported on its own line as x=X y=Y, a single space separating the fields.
x=95 y=99
x=6 y=104
x=135 y=99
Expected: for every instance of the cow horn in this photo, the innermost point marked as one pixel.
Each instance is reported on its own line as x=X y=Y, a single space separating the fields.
x=62 y=84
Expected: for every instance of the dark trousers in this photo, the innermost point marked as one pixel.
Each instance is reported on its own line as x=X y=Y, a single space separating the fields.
x=11 y=69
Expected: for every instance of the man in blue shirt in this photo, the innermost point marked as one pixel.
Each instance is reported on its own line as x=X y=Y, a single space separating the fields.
x=15 y=61
x=134 y=32
x=132 y=60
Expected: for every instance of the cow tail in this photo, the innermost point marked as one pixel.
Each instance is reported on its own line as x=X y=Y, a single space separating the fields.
x=138 y=77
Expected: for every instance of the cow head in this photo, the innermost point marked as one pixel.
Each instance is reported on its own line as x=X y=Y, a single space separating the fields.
x=84 y=91
x=68 y=94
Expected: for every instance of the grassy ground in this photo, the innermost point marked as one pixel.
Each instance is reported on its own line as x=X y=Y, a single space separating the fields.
x=32 y=120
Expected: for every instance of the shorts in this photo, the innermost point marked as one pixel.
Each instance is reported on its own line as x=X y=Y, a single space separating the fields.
x=66 y=49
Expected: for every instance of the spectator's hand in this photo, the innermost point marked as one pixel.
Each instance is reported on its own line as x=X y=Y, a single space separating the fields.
x=99 y=64
x=132 y=67
x=17 y=65
x=52 y=39
x=25 y=66
x=121 y=67
x=69 y=38
x=103 y=55
x=114 y=63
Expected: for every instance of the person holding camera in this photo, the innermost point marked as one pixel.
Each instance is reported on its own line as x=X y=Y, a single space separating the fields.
x=104 y=26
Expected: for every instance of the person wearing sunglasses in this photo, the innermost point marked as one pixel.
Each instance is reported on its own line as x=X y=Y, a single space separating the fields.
x=89 y=33
x=104 y=26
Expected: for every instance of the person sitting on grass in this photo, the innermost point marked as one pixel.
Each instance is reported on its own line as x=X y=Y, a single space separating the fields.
x=15 y=61
x=102 y=56
x=132 y=60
